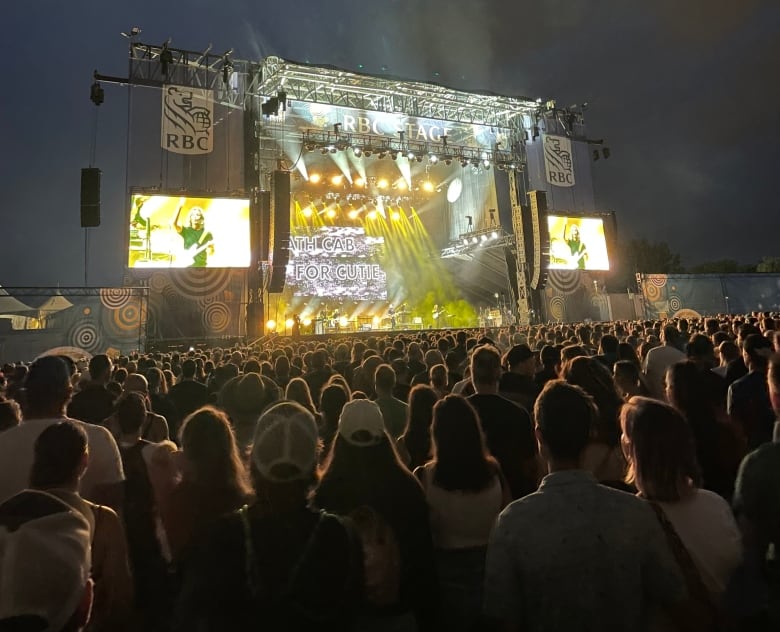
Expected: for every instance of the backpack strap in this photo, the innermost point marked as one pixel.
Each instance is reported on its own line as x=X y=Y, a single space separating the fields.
x=250 y=558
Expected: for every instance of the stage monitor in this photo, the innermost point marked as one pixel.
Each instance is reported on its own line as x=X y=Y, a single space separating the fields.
x=577 y=243
x=169 y=231
x=337 y=262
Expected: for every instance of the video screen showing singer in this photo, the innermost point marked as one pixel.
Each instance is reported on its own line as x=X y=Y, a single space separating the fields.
x=197 y=242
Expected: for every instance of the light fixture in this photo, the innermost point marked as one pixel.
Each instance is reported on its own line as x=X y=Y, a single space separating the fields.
x=371 y=215
x=395 y=215
x=357 y=151
x=382 y=183
x=382 y=154
x=288 y=323
x=331 y=213
x=359 y=182
x=271 y=324
x=483 y=237
x=606 y=152
x=324 y=150
x=464 y=162
x=448 y=161
x=474 y=240
x=596 y=155
x=465 y=241
x=410 y=155
x=367 y=153
x=494 y=235
x=314 y=178
x=486 y=164
x=337 y=180
x=428 y=186
x=307 y=211
x=401 y=185
x=433 y=159
x=332 y=149
x=353 y=214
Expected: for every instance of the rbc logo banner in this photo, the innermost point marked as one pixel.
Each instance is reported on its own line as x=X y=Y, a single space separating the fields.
x=187 y=120
x=558 y=162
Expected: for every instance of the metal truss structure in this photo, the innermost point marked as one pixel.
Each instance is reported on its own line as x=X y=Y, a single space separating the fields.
x=335 y=86
x=485 y=239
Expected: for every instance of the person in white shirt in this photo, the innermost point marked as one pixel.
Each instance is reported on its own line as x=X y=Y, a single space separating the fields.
x=47 y=393
x=659 y=359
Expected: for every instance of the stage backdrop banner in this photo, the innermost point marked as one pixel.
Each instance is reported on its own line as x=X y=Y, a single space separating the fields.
x=558 y=162
x=187 y=120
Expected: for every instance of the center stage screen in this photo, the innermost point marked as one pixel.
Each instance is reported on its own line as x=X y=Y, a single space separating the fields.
x=577 y=243
x=337 y=262
x=188 y=232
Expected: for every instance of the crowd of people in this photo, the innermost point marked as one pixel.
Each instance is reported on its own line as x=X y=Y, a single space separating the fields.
x=597 y=476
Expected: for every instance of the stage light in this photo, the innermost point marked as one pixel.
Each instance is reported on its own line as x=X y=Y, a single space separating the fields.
x=96 y=94
x=464 y=162
x=332 y=149
x=311 y=146
x=324 y=150
x=359 y=182
x=486 y=164
x=315 y=178
x=494 y=235
x=331 y=213
x=483 y=237
x=448 y=161
x=357 y=151
x=410 y=155
x=382 y=183
x=395 y=215
x=307 y=211
x=465 y=241
x=596 y=155
x=271 y=324
x=337 y=180
x=382 y=154
x=288 y=323
x=375 y=321
x=353 y=214
x=401 y=185
x=343 y=322
x=371 y=215
x=428 y=186
x=307 y=322
x=367 y=153
x=474 y=240
x=433 y=159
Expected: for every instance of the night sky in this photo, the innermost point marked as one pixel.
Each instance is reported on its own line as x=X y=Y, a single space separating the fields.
x=686 y=94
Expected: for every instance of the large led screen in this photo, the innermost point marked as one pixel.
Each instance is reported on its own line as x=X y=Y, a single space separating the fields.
x=188 y=232
x=577 y=243
x=338 y=262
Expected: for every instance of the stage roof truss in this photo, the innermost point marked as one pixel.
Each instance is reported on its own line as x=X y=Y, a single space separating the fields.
x=428 y=100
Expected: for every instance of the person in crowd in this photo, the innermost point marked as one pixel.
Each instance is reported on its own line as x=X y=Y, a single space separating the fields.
x=661 y=453
x=277 y=562
x=437 y=378
x=728 y=351
x=213 y=480
x=159 y=400
x=45 y=562
x=341 y=364
x=575 y=552
x=659 y=359
x=244 y=398
x=700 y=351
x=334 y=397
x=363 y=471
x=10 y=414
x=608 y=351
x=719 y=447
x=414 y=445
x=550 y=358
x=47 y=393
x=155 y=428
x=432 y=358
x=61 y=458
x=363 y=376
x=319 y=374
x=465 y=490
x=187 y=394
x=757 y=506
x=628 y=380
x=394 y=411
x=517 y=381
x=298 y=391
x=627 y=353
x=94 y=402
x=282 y=371
x=150 y=476
x=508 y=429
x=603 y=456
x=748 y=397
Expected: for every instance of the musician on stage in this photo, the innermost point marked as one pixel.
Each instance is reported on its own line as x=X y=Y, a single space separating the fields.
x=391 y=313
x=198 y=243
x=436 y=315
x=579 y=253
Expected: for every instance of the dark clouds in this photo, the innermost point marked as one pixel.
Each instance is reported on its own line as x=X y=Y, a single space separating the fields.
x=686 y=94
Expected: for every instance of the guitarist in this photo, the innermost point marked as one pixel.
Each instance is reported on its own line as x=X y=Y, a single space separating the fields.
x=196 y=238
x=579 y=253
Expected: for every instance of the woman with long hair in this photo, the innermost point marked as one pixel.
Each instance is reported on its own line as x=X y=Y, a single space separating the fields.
x=213 y=479
x=466 y=491
x=661 y=454
x=414 y=445
x=332 y=400
x=603 y=456
x=363 y=471
x=303 y=566
x=718 y=449
x=298 y=391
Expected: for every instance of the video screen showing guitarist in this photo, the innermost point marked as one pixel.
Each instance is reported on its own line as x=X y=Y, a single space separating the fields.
x=578 y=250
x=198 y=243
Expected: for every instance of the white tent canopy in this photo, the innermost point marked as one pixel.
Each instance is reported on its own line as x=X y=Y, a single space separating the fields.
x=9 y=306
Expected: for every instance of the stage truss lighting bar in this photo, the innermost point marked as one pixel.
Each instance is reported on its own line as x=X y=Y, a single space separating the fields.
x=485 y=239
